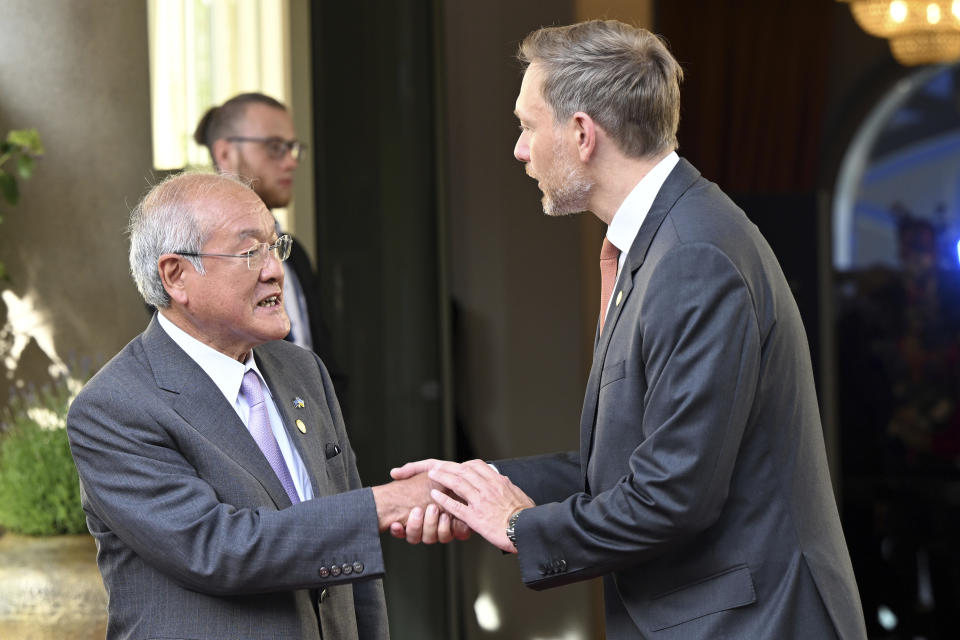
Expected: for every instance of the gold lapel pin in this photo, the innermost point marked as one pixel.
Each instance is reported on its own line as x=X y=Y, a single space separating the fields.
x=619 y=297
x=301 y=426
x=298 y=403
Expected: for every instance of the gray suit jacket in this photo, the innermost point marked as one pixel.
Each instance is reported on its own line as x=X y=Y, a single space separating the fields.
x=196 y=536
x=701 y=491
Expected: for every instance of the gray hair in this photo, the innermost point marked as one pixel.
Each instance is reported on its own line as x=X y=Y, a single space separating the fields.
x=165 y=221
x=623 y=77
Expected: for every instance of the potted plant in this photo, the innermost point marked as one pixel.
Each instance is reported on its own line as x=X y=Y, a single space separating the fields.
x=49 y=583
x=39 y=489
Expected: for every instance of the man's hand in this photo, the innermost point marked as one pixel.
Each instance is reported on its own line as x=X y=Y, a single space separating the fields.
x=398 y=499
x=489 y=498
x=413 y=468
x=429 y=525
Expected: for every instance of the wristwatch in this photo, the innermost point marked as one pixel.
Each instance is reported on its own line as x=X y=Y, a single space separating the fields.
x=512 y=528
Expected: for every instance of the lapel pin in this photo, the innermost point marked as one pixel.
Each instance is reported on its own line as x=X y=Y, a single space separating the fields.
x=298 y=403
x=301 y=426
x=619 y=297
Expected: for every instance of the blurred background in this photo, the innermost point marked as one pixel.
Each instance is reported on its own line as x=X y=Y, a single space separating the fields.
x=459 y=336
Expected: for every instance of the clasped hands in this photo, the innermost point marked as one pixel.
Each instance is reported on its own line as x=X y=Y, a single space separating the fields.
x=469 y=496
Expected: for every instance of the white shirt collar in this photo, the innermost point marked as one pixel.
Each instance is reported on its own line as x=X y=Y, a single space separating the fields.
x=633 y=210
x=225 y=372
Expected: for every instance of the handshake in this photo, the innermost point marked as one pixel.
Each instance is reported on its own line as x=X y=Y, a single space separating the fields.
x=436 y=501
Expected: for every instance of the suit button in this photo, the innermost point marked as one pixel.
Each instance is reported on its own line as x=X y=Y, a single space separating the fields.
x=543 y=569
x=323 y=595
x=347 y=569
x=358 y=567
x=324 y=572
x=335 y=571
x=562 y=565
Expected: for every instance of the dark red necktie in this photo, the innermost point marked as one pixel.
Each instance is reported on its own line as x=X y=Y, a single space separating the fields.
x=609 y=256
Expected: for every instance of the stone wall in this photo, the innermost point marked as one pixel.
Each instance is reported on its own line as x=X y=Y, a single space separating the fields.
x=77 y=72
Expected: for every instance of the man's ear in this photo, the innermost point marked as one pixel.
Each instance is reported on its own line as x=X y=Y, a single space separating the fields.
x=585 y=130
x=225 y=155
x=173 y=276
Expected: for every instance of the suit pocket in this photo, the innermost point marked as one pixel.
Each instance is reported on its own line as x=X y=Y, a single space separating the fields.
x=613 y=372
x=331 y=450
x=726 y=590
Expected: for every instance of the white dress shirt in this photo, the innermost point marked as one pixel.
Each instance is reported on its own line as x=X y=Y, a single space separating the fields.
x=295 y=303
x=227 y=374
x=633 y=210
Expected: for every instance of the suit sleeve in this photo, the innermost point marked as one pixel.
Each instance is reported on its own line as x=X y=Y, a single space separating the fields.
x=699 y=357
x=546 y=478
x=140 y=486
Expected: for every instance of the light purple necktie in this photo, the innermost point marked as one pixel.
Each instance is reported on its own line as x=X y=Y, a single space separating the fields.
x=259 y=425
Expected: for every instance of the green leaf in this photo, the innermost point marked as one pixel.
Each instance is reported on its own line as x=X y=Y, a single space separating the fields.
x=39 y=488
x=8 y=188
x=27 y=139
x=25 y=165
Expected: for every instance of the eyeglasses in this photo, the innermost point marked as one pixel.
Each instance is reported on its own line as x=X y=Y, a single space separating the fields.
x=277 y=148
x=257 y=256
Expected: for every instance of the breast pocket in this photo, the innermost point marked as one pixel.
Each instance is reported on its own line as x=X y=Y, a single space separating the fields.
x=613 y=372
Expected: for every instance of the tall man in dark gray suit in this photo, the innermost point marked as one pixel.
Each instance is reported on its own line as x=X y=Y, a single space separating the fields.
x=217 y=476
x=700 y=492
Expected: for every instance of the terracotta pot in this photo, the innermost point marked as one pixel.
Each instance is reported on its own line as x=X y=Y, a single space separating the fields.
x=50 y=588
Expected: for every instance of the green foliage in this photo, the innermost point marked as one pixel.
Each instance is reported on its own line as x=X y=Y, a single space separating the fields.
x=22 y=146
x=39 y=488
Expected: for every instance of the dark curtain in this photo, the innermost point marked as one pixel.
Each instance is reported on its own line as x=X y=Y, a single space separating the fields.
x=755 y=83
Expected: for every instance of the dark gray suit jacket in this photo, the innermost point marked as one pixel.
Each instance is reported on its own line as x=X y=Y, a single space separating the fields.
x=196 y=536
x=701 y=491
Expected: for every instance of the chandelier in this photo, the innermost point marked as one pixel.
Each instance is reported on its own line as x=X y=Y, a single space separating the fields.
x=920 y=31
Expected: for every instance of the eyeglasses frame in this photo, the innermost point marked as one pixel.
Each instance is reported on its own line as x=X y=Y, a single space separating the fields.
x=256 y=251
x=293 y=147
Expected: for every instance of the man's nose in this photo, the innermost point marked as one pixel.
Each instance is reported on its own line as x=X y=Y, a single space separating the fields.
x=272 y=268
x=289 y=160
x=521 y=151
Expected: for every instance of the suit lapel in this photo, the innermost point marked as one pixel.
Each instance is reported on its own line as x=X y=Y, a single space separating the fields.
x=676 y=184
x=286 y=390
x=201 y=404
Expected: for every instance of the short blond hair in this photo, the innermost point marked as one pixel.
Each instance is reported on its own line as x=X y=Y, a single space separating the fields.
x=623 y=77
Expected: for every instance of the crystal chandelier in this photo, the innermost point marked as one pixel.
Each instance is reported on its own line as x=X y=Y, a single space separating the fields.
x=920 y=31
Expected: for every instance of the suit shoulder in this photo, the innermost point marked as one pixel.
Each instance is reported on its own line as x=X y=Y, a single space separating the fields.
x=130 y=367
x=705 y=214
x=130 y=361
x=288 y=357
x=284 y=349
x=703 y=209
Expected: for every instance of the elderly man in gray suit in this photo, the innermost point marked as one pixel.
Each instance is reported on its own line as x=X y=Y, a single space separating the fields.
x=217 y=476
x=700 y=492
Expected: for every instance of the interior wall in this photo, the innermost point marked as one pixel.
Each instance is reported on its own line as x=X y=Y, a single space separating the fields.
x=515 y=283
x=77 y=72
x=523 y=290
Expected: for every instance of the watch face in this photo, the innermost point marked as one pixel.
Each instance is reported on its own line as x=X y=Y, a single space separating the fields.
x=511 y=528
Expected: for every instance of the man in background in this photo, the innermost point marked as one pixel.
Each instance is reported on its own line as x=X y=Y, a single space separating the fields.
x=251 y=135
x=215 y=468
